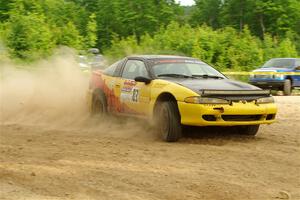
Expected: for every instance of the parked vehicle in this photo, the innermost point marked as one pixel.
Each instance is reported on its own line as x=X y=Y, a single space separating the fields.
x=177 y=91
x=91 y=60
x=278 y=74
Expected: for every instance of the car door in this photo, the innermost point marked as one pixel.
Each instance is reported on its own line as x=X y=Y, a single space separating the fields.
x=112 y=82
x=134 y=96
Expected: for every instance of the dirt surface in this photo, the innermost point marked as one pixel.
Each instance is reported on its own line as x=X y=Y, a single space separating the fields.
x=123 y=160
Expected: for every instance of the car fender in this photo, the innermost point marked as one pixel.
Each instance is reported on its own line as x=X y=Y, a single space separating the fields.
x=160 y=87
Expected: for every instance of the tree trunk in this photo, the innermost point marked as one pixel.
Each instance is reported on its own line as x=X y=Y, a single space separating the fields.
x=262 y=25
x=241 y=15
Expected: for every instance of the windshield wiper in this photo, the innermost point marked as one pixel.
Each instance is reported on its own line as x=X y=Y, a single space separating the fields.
x=175 y=75
x=208 y=76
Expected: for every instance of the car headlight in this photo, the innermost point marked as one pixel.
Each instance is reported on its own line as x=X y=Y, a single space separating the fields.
x=205 y=100
x=265 y=100
x=279 y=76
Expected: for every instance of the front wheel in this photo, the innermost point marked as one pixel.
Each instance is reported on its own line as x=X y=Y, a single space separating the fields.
x=168 y=121
x=250 y=130
x=287 y=87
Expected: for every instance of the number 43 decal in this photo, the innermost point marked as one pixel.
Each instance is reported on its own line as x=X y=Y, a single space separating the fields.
x=135 y=95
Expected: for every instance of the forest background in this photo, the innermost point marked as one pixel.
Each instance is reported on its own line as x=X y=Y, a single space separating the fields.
x=229 y=34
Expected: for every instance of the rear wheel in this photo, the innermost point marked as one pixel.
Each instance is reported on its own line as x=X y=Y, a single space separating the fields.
x=250 y=130
x=99 y=105
x=287 y=87
x=168 y=121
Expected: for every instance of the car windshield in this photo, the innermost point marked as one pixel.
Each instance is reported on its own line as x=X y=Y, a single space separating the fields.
x=82 y=59
x=185 y=69
x=279 y=63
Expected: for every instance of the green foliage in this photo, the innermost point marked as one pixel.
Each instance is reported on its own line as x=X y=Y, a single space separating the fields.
x=69 y=36
x=243 y=51
x=176 y=38
x=91 y=37
x=28 y=37
x=287 y=49
x=226 y=48
x=262 y=16
x=34 y=28
x=4 y=9
x=206 y=12
x=230 y=34
x=126 y=18
x=269 y=45
x=121 y=48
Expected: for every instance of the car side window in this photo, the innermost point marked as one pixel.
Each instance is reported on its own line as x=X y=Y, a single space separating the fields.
x=297 y=64
x=133 y=69
x=111 y=69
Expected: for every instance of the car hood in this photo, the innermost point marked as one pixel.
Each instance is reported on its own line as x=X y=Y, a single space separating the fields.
x=198 y=85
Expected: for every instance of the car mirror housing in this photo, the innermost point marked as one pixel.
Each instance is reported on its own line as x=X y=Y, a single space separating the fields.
x=142 y=79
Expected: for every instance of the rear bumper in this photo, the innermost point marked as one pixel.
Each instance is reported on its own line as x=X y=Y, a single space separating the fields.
x=226 y=115
x=266 y=84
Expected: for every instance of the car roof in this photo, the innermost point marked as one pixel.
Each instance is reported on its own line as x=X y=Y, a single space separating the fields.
x=284 y=58
x=154 y=57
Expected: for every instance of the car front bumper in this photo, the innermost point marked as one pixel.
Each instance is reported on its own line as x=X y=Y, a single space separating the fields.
x=247 y=113
x=266 y=84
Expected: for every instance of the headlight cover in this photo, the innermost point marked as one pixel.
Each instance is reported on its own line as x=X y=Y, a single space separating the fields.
x=205 y=100
x=265 y=100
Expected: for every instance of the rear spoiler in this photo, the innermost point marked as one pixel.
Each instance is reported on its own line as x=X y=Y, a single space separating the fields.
x=232 y=93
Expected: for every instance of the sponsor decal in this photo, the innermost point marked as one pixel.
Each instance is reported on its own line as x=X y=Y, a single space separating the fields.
x=130 y=83
x=129 y=93
x=114 y=102
x=135 y=94
x=128 y=86
x=125 y=97
x=130 y=96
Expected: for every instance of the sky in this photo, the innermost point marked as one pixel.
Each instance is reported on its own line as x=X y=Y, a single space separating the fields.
x=186 y=2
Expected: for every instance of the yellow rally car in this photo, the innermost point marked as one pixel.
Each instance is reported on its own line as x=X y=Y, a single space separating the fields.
x=177 y=91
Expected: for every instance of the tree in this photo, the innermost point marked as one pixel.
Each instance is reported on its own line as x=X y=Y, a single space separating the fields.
x=287 y=49
x=206 y=12
x=262 y=16
x=221 y=32
x=125 y=18
x=91 y=36
x=236 y=13
x=29 y=37
x=4 y=9
x=69 y=36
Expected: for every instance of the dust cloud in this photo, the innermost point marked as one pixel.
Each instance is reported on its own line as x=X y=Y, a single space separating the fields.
x=51 y=94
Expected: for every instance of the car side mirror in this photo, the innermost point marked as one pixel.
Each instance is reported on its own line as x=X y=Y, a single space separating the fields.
x=143 y=79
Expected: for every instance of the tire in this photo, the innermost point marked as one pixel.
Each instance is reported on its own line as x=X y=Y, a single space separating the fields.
x=99 y=105
x=168 y=121
x=250 y=130
x=287 y=87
